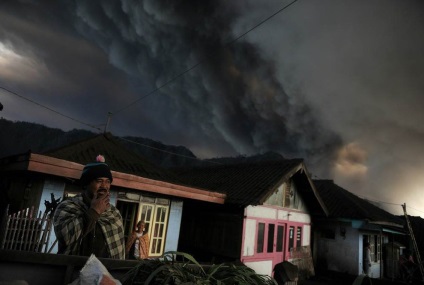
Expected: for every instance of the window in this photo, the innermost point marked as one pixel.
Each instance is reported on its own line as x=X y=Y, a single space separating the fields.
x=261 y=237
x=280 y=238
x=376 y=251
x=270 y=246
x=128 y=212
x=147 y=216
x=291 y=238
x=158 y=233
x=154 y=215
x=299 y=237
x=375 y=246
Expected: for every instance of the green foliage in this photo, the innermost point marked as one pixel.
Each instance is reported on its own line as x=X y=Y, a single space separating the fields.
x=168 y=271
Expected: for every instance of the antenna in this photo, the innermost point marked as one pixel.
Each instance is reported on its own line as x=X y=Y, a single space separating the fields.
x=109 y=115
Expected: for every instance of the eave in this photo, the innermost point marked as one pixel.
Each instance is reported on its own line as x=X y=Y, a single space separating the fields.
x=302 y=169
x=63 y=168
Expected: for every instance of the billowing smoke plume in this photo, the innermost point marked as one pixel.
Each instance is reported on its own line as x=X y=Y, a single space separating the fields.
x=232 y=95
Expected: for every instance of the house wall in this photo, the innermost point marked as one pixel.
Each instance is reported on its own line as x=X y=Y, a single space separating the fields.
x=57 y=188
x=264 y=262
x=344 y=253
x=340 y=253
x=174 y=225
x=211 y=232
x=21 y=192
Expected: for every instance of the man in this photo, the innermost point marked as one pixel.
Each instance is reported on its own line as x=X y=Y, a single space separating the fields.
x=87 y=224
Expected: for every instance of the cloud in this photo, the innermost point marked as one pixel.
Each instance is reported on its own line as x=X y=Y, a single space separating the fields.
x=232 y=98
x=338 y=84
x=351 y=163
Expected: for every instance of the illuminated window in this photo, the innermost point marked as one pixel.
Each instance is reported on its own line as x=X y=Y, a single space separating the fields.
x=158 y=230
x=375 y=246
x=291 y=237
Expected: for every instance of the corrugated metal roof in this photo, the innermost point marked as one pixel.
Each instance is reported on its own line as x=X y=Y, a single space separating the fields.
x=343 y=204
x=244 y=183
x=117 y=156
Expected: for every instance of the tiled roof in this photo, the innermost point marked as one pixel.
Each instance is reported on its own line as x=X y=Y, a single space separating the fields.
x=343 y=204
x=118 y=157
x=244 y=183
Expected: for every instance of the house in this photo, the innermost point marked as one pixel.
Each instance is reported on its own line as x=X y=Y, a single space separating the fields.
x=352 y=221
x=140 y=190
x=266 y=216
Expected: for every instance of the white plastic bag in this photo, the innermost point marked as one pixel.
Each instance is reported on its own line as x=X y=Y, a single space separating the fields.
x=94 y=273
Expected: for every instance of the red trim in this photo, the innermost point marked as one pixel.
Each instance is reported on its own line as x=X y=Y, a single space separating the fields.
x=63 y=168
x=265 y=256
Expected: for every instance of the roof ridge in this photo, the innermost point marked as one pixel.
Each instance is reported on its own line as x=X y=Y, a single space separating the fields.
x=359 y=202
x=72 y=144
x=241 y=163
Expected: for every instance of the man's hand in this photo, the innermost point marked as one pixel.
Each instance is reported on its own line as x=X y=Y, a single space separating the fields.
x=100 y=201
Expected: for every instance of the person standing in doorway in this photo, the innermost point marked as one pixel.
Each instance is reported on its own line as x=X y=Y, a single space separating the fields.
x=367 y=258
x=138 y=243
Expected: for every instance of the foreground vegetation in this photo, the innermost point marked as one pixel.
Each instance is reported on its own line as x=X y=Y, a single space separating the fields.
x=169 y=271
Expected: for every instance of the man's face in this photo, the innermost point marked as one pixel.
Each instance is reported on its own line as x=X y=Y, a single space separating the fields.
x=98 y=187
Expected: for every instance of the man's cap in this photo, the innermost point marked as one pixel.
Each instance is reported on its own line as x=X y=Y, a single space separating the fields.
x=95 y=170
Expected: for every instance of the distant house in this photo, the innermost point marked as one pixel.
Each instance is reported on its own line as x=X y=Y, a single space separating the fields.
x=266 y=216
x=140 y=190
x=352 y=221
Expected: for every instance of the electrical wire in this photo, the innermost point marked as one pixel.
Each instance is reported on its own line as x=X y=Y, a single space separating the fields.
x=389 y=203
x=198 y=63
x=168 y=152
x=156 y=89
x=48 y=108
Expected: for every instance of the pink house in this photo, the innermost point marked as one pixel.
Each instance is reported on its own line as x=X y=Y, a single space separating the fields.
x=267 y=214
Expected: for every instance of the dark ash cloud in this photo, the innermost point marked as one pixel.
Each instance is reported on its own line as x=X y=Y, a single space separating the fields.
x=233 y=95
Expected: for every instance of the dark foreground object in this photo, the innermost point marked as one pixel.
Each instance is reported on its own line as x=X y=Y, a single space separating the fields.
x=337 y=278
x=42 y=268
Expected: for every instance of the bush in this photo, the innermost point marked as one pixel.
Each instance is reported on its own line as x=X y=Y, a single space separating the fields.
x=168 y=271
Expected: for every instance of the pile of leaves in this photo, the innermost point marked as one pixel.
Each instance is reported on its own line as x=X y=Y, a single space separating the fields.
x=169 y=271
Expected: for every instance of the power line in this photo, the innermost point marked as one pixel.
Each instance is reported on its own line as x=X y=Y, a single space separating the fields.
x=168 y=152
x=389 y=203
x=50 y=109
x=156 y=89
x=415 y=209
x=198 y=63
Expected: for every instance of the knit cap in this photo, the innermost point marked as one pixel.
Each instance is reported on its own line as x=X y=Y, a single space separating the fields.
x=95 y=170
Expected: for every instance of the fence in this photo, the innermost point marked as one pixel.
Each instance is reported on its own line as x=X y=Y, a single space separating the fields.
x=27 y=232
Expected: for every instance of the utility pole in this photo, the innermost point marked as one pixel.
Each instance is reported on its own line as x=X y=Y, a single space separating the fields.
x=109 y=115
x=414 y=242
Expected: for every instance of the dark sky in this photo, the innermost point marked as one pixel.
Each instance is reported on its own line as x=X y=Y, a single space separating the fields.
x=338 y=83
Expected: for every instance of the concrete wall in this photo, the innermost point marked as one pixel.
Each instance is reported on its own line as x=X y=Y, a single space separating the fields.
x=174 y=225
x=263 y=263
x=57 y=188
x=345 y=254
x=340 y=254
